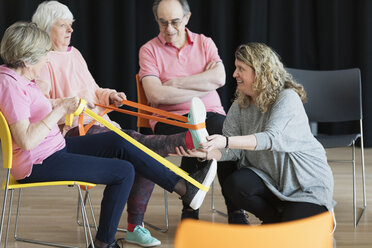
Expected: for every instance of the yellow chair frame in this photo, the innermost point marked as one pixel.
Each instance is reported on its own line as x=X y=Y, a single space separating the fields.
x=11 y=184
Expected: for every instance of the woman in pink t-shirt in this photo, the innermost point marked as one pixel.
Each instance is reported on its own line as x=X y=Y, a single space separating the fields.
x=40 y=153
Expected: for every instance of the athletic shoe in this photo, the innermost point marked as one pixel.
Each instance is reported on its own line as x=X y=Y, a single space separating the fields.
x=141 y=236
x=237 y=218
x=190 y=214
x=197 y=115
x=113 y=245
x=194 y=196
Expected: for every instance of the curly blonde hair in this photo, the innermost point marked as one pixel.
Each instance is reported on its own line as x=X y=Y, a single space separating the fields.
x=270 y=76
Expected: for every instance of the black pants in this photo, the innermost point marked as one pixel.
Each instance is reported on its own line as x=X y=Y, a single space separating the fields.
x=245 y=190
x=214 y=124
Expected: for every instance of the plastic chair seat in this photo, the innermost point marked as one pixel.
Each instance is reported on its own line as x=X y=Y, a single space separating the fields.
x=334 y=141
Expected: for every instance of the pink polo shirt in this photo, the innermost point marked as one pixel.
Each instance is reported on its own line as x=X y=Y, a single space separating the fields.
x=66 y=75
x=20 y=100
x=160 y=59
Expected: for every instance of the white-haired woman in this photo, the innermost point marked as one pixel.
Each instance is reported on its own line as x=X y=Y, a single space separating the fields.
x=65 y=75
x=41 y=153
x=283 y=173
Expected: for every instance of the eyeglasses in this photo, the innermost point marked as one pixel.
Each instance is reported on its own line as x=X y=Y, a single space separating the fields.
x=175 y=22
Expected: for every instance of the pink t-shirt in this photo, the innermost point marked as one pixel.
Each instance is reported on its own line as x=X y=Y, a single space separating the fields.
x=160 y=59
x=66 y=75
x=20 y=100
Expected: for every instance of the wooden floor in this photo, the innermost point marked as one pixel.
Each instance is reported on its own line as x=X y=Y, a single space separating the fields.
x=50 y=213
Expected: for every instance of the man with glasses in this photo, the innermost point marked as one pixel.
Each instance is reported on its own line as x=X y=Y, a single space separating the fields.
x=176 y=66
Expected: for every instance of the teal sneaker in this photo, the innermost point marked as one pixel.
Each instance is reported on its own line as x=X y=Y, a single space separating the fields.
x=197 y=115
x=141 y=236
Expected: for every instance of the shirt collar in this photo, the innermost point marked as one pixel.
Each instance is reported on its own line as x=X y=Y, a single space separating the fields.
x=190 y=38
x=7 y=71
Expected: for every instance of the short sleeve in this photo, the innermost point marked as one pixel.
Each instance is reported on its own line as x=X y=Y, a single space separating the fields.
x=147 y=62
x=13 y=98
x=211 y=49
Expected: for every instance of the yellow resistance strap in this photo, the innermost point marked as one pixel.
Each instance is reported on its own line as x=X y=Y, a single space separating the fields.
x=81 y=108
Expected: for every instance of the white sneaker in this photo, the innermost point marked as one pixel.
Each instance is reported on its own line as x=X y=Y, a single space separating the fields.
x=197 y=115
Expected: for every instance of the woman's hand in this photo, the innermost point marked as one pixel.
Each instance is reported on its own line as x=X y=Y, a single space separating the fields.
x=200 y=153
x=116 y=98
x=70 y=104
x=214 y=142
x=91 y=105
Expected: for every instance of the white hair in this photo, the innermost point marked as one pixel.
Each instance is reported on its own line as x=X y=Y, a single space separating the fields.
x=48 y=12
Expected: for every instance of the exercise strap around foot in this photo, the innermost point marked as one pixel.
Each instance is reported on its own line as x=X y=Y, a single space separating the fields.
x=82 y=109
x=178 y=120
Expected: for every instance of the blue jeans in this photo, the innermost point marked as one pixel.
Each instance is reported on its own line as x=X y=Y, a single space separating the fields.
x=142 y=188
x=90 y=158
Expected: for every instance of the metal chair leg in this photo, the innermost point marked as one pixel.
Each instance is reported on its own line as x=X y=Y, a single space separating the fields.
x=85 y=218
x=355 y=218
x=354 y=184
x=78 y=221
x=212 y=204
x=85 y=221
x=4 y=206
x=163 y=230
x=9 y=214
x=94 y=225
x=363 y=173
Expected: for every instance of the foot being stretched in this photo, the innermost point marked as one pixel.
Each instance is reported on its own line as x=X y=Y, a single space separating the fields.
x=197 y=115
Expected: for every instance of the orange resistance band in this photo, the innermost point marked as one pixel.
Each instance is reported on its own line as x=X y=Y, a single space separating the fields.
x=181 y=120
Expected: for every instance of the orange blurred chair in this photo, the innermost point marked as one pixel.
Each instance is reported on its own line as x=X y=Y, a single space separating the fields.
x=311 y=232
x=11 y=184
x=144 y=123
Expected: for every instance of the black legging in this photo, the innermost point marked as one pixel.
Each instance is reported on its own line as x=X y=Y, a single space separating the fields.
x=214 y=123
x=247 y=191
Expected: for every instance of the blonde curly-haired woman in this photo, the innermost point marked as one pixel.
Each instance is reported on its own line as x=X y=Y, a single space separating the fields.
x=283 y=173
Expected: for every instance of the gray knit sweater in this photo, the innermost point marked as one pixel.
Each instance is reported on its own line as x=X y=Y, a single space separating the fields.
x=288 y=158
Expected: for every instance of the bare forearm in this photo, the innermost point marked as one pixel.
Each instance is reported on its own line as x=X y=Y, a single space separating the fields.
x=172 y=95
x=216 y=142
x=247 y=142
x=215 y=154
x=29 y=135
x=55 y=102
x=207 y=81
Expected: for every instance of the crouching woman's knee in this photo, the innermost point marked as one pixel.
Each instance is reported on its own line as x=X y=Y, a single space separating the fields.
x=232 y=187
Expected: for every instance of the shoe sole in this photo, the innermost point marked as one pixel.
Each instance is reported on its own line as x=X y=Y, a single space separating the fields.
x=144 y=245
x=198 y=117
x=200 y=195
